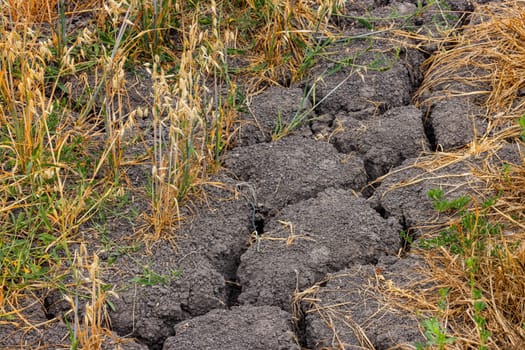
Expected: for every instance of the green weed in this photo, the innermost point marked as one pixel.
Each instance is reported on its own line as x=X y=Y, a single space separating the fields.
x=469 y=235
x=470 y=239
x=436 y=335
x=521 y=123
x=443 y=205
x=150 y=278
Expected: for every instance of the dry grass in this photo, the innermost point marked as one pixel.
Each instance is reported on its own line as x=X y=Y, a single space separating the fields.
x=288 y=29
x=38 y=11
x=480 y=259
x=486 y=56
x=66 y=121
x=484 y=271
x=91 y=330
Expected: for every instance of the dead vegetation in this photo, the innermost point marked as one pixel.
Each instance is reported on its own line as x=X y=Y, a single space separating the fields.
x=69 y=131
x=481 y=276
x=64 y=156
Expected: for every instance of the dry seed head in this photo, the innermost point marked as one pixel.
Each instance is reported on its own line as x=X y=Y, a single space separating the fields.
x=13 y=45
x=175 y=131
x=154 y=171
x=44 y=49
x=115 y=9
x=69 y=300
x=68 y=62
x=29 y=31
x=87 y=36
x=118 y=80
x=230 y=37
x=168 y=101
x=129 y=23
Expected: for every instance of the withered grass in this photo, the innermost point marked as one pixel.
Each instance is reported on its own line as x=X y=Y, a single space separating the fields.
x=486 y=56
x=65 y=152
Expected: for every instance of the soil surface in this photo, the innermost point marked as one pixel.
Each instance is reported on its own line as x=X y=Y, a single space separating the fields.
x=290 y=250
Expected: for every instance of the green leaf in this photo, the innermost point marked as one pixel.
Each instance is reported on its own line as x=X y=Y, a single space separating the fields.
x=365 y=23
x=435 y=194
x=521 y=123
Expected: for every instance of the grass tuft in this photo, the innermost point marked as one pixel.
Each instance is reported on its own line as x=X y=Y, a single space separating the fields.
x=485 y=56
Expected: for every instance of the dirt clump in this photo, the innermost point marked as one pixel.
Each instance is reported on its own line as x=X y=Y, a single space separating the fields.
x=385 y=141
x=349 y=310
x=272 y=110
x=243 y=327
x=292 y=169
x=185 y=278
x=307 y=240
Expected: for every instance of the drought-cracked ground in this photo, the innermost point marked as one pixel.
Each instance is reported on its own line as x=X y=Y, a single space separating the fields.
x=292 y=249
